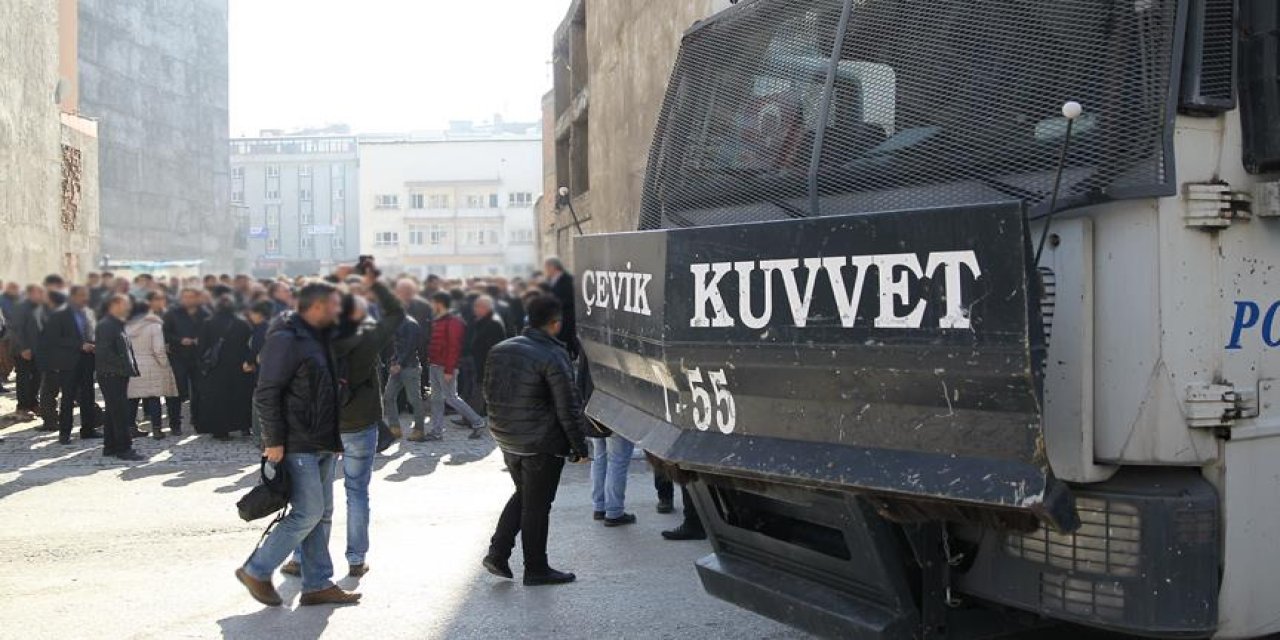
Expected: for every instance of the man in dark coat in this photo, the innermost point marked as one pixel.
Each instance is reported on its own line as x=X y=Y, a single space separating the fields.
x=535 y=414
x=183 y=325
x=24 y=338
x=115 y=364
x=69 y=337
x=561 y=284
x=484 y=333
x=298 y=400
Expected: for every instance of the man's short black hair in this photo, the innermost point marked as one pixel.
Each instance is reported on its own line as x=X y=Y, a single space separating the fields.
x=152 y=295
x=53 y=280
x=544 y=310
x=263 y=308
x=313 y=293
x=443 y=298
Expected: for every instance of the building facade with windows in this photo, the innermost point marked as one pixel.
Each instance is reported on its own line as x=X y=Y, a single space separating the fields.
x=453 y=207
x=300 y=196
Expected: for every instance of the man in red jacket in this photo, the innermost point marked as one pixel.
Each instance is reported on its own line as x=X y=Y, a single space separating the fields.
x=447 y=331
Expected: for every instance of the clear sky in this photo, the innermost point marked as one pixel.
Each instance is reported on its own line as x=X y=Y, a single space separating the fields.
x=388 y=65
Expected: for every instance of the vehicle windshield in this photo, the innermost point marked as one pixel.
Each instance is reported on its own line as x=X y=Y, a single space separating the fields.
x=931 y=103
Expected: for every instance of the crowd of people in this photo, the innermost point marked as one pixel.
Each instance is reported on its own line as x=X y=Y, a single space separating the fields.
x=318 y=369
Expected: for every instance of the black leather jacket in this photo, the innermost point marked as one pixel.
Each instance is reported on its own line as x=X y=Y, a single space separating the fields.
x=297 y=392
x=534 y=403
x=114 y=355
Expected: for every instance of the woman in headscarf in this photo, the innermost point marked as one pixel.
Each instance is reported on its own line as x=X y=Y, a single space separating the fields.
x=226 y=389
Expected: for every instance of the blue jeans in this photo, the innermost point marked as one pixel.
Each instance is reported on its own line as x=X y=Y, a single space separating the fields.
x=307 y=525
x=610 y=459
x=357 y=468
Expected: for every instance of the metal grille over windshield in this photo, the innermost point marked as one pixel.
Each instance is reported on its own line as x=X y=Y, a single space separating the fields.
x=929 y=103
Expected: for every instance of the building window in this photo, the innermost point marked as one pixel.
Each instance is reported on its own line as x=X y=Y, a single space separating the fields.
x=273 y=195
x=520 y=199
x=391 y=201
x=273 y=245
x=304 y=195
x=307 y=217
x=437 y=234
x=307 y=241
x=338 y=171
x=237 y=173
x=339 y=193
x=304 y=171
x=237 y=197
x=338 y=242
x=386 y=238
x=273 y=215
x=522 y=236
x=417 y=237
x=416 y=201
x=476 y=201
x=438 y=201
x=273 y=171
x=493 y=201
x=480 y=237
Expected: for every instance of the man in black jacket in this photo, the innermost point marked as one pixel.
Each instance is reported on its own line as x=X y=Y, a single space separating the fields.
x=297 y=398
x=561 y=283
x=484 y=333
x=183 y=325
x=115 y=364
x=24 y=337
x=535 y=414
x=69 y=341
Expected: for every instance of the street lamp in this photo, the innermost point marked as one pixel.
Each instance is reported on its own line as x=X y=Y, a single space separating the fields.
x=563 y=200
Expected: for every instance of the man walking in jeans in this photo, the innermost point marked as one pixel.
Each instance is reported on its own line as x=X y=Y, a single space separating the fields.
x=536 y=415
x=447 y=332
x=358 y=346
x=297 y=398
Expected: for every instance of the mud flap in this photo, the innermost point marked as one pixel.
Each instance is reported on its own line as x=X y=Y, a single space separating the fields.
x=889 y=353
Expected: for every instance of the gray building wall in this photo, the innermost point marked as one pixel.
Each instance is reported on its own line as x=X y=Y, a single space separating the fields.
x=39 y=232
x=155 y=75
x=297 y=190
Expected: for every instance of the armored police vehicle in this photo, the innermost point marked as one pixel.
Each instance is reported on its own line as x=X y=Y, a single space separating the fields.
x=963 y=314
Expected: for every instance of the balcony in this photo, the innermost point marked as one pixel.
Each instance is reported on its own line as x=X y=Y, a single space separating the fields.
x=430 y=214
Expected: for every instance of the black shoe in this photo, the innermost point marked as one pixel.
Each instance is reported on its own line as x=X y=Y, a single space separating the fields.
x=498 y=567
x=157 y=433
x=549 y=576
x=684 y=532
x=130 y=456
x=139 y=434
x=624 y=519
x=665 y=506
x=90 y=435
x=223 y=437
x=597 y=515
x=177 y=431
x=66 y=441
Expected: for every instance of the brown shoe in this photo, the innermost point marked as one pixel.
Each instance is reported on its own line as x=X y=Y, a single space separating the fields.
x=261 y=590
x=332 y=595
x=291 y=568
x=416 y=435
x=396 y=433
x=358 y=570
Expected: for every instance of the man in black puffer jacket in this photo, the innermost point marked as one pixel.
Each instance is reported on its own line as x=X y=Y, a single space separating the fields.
x=535 y=414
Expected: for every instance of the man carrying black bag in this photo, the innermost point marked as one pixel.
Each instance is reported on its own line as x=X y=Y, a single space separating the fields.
x=297 y=397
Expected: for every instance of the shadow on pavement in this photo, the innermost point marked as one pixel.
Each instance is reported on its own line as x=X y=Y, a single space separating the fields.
x=307 y=623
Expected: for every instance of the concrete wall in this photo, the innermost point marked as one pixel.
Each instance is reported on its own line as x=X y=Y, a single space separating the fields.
x=631 y=49
x=155 y=75
x=30 y=156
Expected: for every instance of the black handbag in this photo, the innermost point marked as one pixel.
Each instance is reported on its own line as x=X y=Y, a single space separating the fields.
x=270 y=496
x=385 y=437
x=210 y=358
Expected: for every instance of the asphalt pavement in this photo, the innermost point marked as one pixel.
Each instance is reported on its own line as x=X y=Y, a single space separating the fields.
x=93 y=548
